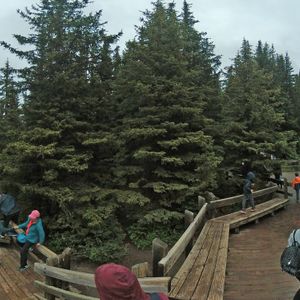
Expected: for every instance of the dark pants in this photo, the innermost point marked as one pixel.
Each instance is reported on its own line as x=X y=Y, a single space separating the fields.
x=24 y=253
x=14 y=217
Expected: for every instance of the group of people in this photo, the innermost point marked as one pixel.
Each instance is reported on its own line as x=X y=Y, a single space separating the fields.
x=248 y=188
x=34 y=231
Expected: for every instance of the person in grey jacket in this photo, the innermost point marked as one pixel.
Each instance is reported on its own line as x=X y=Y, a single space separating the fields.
x=248 y=192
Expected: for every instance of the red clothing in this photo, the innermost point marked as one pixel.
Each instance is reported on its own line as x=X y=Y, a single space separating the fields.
x=116 y=282
x=28 y=227
x=295 y=181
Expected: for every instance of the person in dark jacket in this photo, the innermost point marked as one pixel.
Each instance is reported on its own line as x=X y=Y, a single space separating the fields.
x=34 y=236
x=248 y=192
x=116 y=282
x=9 y=209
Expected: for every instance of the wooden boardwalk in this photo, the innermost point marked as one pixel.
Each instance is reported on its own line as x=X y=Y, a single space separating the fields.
x=253 y=264
x=15 y=285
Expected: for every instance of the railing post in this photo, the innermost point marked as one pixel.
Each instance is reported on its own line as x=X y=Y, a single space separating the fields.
x=286 y=195
x=141 y=270
x=64 y=262
x=53 y=262
x=201 y=202
x=159 y=250
x=188 y=219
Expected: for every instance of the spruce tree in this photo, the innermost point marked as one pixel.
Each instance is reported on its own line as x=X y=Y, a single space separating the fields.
x=62 y=159
x=166 y=158
x=252 y=122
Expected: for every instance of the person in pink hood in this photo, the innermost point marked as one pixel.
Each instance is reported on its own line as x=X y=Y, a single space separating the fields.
x=34 y=236
x=116 y=282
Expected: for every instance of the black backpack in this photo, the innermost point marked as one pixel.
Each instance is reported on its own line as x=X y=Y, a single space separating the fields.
x=290 y=258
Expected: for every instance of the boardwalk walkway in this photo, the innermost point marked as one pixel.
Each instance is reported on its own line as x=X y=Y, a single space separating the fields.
x=15 y=285
x=253 y=265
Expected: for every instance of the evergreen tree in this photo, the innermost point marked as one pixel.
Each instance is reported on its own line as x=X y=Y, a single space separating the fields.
x=62 y=159
x=252 y=121
x=10 y=119
x=166 y=158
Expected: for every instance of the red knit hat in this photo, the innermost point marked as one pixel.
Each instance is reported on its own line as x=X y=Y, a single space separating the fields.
x=116 y=282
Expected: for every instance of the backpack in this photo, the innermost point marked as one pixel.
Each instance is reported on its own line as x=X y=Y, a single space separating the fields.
x=290 y=258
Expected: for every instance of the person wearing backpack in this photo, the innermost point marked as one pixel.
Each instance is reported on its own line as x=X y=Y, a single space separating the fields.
x=294 y=237
x=116 y=282
x=296 y=185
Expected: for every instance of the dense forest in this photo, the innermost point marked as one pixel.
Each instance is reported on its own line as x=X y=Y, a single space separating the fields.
x=112 y=145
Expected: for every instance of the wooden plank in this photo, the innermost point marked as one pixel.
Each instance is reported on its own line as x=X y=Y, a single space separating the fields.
x=218 y=283
x=62 y=293
x=159 y=250
x=175 y=252
x=203 y=286
x=180 y=278
x=148 y=284
x=237 y=199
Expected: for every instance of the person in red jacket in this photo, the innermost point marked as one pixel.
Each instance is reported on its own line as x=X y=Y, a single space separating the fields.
x=296 y=185
x=116 y=282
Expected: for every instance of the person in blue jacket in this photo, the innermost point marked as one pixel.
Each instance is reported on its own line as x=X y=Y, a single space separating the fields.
x=34 y=236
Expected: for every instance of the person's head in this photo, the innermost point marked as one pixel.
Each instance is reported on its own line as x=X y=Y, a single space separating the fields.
x=296 y=174
x=251 y=176
x=34 y=215
x=117 y=282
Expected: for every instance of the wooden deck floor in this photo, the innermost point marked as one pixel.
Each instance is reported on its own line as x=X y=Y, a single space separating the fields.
x=15 y=285
x=253 y=265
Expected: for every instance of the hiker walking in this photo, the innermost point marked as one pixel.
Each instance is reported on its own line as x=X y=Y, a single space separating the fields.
x=248 y=192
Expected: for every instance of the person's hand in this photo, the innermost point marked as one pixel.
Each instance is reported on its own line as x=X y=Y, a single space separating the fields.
x=15 y=227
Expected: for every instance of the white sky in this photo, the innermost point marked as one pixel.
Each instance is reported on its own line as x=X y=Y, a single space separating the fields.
x=226 y=22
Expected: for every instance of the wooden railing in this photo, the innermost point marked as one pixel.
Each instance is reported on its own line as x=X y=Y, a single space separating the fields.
x=167 y=263
x=238 y=199
x=60 y=280
x=69 y=277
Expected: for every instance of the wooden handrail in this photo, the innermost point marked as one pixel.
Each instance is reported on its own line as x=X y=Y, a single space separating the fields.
x=176 y=251
x=148 y=284
x=237 y=199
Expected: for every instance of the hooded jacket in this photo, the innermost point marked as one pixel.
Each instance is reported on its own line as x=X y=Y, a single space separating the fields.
x=248 y=183
x=116 y=282
x=36 y=232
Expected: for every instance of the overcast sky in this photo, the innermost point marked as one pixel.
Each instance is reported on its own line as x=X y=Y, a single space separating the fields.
x=226 y=22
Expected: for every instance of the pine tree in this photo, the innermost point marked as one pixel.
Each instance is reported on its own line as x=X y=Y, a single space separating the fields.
x=252 y=121
x=62 y=159
x=10 y=116
x=166 y=157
